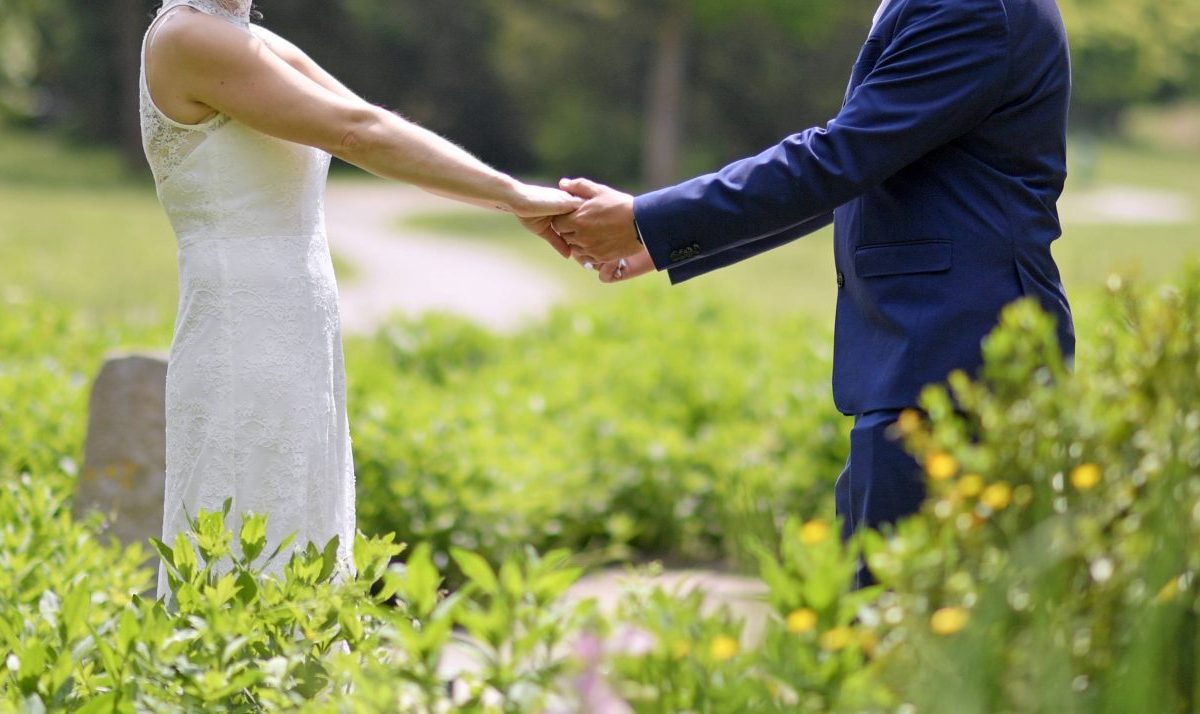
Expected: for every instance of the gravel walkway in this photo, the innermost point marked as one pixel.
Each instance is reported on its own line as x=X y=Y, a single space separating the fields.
x=405 y=271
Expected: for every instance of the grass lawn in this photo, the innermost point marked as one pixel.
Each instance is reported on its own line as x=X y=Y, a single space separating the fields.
x=801 y=276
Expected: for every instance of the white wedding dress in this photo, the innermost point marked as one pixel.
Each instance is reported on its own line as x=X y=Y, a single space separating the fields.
x=256 y=389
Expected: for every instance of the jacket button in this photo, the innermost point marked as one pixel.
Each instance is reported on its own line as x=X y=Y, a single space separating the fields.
x=841 y=279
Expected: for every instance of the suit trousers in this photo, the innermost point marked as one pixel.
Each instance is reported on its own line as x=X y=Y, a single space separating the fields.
x=881 y=483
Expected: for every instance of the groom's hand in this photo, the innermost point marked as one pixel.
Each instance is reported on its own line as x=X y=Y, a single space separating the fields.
x=602 y=230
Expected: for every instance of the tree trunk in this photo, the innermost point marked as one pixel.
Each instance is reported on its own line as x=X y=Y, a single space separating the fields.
x=664 y=101
x=130 y=19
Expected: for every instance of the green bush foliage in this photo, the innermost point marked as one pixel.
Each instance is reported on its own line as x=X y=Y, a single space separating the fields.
x=622 y=430
x=1052 y=568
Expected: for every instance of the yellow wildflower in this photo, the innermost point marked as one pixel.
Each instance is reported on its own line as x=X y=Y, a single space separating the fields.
x=723 y=648
x=680 y=649
x=814 y=532
x=1085 y=477
x=949 y=620
x=1168 y=592
x=997 y=496
x=941 y=466
x=801 y=621
x=869 y=642
x=908 y=422
x=836 y=639
x=970 y=486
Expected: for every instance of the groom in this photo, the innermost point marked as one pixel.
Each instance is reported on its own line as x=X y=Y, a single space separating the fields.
x=940 y=174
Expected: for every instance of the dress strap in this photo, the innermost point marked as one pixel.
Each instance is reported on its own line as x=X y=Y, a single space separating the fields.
x=236 y=11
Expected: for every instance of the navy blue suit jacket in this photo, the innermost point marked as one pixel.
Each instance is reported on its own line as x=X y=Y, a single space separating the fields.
x=941 y=175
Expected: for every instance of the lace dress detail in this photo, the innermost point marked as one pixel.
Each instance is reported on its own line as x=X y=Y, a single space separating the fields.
x=256 y=389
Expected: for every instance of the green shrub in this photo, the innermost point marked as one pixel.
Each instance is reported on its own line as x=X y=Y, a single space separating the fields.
x=1062 y=521
x=1053 y=567
x=48 y=358
x=618 y=429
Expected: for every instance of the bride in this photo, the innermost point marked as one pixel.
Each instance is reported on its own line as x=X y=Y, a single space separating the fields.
x=238 y=127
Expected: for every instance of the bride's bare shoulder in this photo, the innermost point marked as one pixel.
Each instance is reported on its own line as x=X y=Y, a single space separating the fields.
x=187 y=36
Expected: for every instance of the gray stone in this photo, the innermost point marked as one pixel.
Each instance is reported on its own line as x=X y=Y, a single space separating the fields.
x=125 y=458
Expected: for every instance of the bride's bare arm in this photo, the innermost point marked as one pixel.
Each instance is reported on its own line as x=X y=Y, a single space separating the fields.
x=218 y=65
x=301 y=62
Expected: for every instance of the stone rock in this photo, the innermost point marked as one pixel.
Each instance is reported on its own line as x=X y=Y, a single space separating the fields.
x=125 y=458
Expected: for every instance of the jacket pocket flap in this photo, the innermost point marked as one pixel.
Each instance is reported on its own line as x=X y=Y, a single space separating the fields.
x=903 y=258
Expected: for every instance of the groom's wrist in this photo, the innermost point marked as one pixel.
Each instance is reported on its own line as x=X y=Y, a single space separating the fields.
x=644 y=227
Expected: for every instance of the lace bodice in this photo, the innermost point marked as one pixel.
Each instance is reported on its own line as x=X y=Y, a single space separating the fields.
x=233 y=10
x=256 y=393
x=242 y=179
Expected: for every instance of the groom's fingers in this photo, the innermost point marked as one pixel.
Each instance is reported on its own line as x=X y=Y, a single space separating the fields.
x=580 y=187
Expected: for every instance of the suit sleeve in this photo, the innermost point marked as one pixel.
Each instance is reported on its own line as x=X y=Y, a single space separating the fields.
x=737 y=254
x=941 y=75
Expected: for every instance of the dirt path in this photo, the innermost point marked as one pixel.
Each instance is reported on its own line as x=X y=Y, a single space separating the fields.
x=405 y=271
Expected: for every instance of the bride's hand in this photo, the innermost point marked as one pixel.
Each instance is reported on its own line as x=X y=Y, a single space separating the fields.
x=627 y=269
x=540 y=201
x=540 y=226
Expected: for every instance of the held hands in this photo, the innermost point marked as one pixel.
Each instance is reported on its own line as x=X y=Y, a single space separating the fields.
x=536 y=206
x=598 y=231
x=602 y=230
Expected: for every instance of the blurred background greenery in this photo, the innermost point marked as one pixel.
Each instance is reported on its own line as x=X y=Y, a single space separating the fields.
x=637 y=93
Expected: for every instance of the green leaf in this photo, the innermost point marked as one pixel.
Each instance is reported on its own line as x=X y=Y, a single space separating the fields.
x=253 y=536
x=477 y=570
x=329 y=559
x=102 y=704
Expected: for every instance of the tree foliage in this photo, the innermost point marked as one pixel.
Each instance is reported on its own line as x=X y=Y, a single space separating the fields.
x=1127 y=52
x=618 y=89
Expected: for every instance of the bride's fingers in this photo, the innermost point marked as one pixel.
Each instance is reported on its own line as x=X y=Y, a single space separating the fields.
x=583 y=258
x=541 y=201
x=556 y=242
x=541 y=228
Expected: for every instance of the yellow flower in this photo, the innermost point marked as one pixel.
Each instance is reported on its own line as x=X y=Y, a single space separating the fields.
x=1168 y=592
x=970 y=486
x=801 y=621
x=997 y=496
x=941 y=466
x=949 y=620
x=868 y=641
x=814 y=532
x=1085 y=477
x=908 y=422
x=836 y=638
x=723 y=648
x=680 y=649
